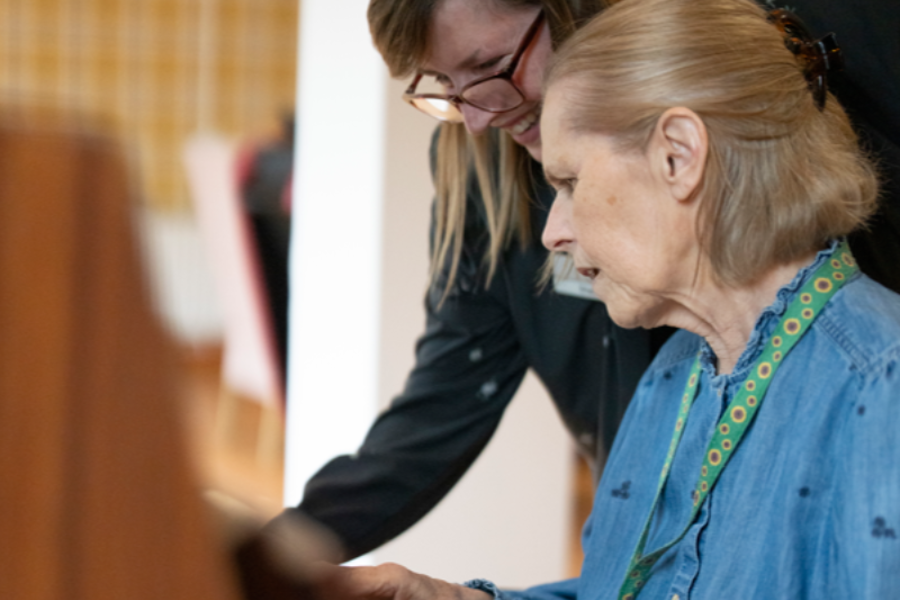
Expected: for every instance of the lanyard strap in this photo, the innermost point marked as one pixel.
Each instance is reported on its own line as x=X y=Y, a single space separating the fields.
x=732 y=426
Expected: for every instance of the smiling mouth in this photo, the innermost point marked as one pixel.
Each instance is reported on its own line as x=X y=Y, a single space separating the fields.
x=525 y=123
x=589 y=273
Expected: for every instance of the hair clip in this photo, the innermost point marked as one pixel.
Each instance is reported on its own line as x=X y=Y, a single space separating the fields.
x=818 y=57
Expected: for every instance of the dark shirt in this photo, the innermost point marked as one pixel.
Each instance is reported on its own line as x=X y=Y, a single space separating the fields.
x=808 y=506
x=868 y=32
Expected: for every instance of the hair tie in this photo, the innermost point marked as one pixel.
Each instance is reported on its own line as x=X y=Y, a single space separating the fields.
x=818 y=57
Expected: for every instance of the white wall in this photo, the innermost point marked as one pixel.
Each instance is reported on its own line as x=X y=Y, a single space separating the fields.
x=336 y=251
x=359 y=267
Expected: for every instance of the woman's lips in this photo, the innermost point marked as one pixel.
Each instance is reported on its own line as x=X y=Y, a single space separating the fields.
x=589 y=273
x=526 y=131
x=525 y=123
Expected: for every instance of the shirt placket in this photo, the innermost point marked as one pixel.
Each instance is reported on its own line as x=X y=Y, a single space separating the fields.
x=689 y=550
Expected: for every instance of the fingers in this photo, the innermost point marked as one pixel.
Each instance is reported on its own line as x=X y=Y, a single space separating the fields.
x=359 y=583
x=385 y=582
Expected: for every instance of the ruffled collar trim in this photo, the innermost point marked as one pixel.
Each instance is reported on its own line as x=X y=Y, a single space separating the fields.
x=765 y=324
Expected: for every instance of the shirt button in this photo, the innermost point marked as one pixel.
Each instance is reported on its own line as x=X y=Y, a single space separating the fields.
x=488 y=389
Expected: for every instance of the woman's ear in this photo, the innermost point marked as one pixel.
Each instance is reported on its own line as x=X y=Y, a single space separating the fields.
x=679 y=146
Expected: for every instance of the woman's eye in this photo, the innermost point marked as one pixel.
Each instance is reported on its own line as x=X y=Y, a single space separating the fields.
x=565 y=187
x=562 y=184
x=490 y=64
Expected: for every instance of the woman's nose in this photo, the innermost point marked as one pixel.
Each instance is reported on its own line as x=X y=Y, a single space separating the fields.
x=557 y=234
x=477 y=120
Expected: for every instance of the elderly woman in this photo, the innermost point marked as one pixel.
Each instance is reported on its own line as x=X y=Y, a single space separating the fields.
x=706 y=183
x=706 y=180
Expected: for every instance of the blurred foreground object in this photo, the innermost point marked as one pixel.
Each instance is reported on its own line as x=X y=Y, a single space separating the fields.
x=280 y=561
x=97 y=498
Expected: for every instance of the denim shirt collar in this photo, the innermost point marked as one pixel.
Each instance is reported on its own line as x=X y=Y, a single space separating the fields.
x=765 y=324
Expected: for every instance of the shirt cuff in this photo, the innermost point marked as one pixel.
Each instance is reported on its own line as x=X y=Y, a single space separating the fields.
x=486 y=586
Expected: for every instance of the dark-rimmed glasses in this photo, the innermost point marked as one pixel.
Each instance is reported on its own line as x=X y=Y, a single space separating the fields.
x=494 y=93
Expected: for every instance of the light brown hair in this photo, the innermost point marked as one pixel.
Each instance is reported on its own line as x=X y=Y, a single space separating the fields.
x=782 y=177
x=501 y=167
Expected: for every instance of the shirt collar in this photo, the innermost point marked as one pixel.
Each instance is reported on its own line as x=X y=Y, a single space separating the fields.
x=765 y=324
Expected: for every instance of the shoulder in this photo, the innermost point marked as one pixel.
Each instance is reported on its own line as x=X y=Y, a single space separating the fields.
x=863 y=320
x=666 y=375
x=681 y=347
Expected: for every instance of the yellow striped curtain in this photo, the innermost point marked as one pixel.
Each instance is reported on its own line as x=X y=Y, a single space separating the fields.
x=158 y=70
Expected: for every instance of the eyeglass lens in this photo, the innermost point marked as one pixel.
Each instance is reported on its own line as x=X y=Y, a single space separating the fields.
x=495 y=95
x=438 y=108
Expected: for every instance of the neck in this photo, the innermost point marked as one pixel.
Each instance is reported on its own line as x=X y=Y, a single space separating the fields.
x=725 y=316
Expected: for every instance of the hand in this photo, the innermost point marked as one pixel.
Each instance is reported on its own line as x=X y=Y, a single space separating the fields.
x=387 y=582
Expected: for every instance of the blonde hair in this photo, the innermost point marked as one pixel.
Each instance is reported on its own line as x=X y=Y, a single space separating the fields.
x=782 y=177
x=499 y=165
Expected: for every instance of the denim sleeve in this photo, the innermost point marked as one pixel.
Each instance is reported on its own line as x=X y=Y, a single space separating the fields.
x=559 y=590
x=866 y=510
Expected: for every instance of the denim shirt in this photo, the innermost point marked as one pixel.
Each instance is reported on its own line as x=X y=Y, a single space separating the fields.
x=809 y=504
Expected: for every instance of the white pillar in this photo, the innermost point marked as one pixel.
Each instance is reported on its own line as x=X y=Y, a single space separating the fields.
x=358 y=275
x=336 y=253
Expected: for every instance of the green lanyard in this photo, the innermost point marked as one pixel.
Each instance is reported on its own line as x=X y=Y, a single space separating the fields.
x=824 y=283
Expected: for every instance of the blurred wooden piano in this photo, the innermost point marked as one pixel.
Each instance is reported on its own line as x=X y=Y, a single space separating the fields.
x=97 y=496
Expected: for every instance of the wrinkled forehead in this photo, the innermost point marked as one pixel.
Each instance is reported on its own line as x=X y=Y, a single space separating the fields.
x=558 y=102
x=557 y=131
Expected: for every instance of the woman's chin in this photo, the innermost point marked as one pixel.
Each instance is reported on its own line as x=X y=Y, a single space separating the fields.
x=531 y=141
x=648 y=316
x=625 y=314
x=625 y=320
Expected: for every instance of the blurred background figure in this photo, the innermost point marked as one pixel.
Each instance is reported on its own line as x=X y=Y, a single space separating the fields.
x=264 y=179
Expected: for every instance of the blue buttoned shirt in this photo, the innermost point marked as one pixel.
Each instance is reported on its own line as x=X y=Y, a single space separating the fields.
x=809 y=505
